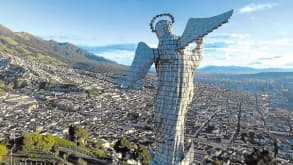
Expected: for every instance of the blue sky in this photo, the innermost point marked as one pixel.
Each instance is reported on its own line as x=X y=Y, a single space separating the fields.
x=258 y=35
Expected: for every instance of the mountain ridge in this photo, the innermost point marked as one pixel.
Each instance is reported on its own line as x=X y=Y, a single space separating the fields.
x=30 y=46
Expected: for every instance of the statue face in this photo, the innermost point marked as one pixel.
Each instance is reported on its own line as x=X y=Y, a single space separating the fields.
x=163 y=27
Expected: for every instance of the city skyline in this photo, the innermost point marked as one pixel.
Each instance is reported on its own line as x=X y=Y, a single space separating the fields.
x=257 y=36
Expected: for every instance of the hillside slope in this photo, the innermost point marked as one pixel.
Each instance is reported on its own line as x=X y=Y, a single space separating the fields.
x=26 y=45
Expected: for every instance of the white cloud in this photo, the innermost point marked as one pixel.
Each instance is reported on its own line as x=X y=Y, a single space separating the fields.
x=232 y=49
x=253 y=7
x=243 y=50
x=121 y=56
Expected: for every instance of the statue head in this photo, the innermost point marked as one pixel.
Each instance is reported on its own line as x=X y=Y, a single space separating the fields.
x=163 y=26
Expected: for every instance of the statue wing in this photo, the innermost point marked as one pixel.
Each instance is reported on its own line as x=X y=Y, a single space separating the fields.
x=143 y=60
x=199 y=27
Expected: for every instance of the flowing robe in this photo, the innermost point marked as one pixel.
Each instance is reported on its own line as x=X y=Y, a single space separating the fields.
x=175 y=69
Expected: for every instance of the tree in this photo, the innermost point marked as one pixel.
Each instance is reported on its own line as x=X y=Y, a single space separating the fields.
x=123 y=146
x=80 y=161
x=125 y=143
x=3 y=152
x=260 y=157
x=48 y=141
x=81 y=135
x=2 y=87
x=55 y=149
x=99 y=144
x=37 y=139
x=143 y=155
x=71 y=132
x=39 y=142
x=28 y=143
x=93 y=92
x=78 y=134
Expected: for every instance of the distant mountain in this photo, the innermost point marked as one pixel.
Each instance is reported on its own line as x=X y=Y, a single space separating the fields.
x=240 y=69
x=29 y=46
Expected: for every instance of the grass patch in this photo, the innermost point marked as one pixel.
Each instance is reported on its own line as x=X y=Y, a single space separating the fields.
x=45 y=59
x=2 y=87
x=30 y=57
x=46 y=143
x=48 y=60
x=6 y=49
x=10 y=41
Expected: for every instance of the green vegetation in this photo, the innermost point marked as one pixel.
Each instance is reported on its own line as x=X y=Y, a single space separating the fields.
x=6 y=86
x=99 y=143
x=2 y=87
x=101 y=153
x=12 y=46
x=29 y=46
x=45 y=59
x=214 y=160
x=19 y=83
x=30 y=57
x=7 y=49
x=52 y=81
x=10 y=41
x=28 y=143
x=3 y=152
x=25 y=51
x=100 y=150
x=42 y=58
x=64 y=142
x=143 y=155
x=78 y=134
x=80 y=161
x=126 y=144
x=94 y=91
x=260 y=157
x=138 y=152
x=37 y=143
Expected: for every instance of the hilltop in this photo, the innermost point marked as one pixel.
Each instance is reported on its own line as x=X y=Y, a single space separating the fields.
x=26 y=45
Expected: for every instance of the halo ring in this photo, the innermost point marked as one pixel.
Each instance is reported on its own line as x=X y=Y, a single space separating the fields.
x=160 y=15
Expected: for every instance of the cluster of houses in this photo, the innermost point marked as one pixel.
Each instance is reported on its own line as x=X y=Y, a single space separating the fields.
x=218 y=121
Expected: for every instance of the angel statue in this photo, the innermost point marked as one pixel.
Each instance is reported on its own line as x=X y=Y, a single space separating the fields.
x=175 y=65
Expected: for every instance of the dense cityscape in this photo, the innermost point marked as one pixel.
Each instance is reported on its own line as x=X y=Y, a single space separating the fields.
x=226 y=125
